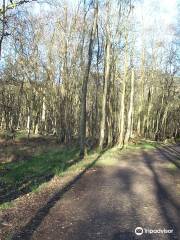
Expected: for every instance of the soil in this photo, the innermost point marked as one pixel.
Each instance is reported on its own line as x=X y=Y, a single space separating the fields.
x=104 y=203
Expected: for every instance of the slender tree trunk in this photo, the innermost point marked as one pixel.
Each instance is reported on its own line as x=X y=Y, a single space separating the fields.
x=139 y=122
x=164 y=120
x=110 y=127
x=104 y=99
x=121 y=121
x=43 y=117
x=122 y=107
x=147 y=133
x=84 y=85
x=29 y=122
x=130 y=113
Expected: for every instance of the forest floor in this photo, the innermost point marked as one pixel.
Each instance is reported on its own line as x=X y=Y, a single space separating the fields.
x=52 y=195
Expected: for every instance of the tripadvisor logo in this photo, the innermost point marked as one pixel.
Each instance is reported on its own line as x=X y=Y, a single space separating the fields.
x=139 y=231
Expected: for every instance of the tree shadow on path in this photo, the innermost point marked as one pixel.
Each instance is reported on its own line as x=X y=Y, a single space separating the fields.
x=27 y=231
x=168 y=155
x=173 y=150
x=130 y=236
x=166 y=202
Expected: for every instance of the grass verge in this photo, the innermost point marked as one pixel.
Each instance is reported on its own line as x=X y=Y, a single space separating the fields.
x=30 y=175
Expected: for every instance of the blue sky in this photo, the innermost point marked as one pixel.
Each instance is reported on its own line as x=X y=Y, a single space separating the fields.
x=166 y=9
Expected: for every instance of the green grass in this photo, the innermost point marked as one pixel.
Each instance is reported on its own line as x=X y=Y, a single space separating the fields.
x=38 y=165
x=21 y=134
x=27 y=175
x=172 y=167
x=54 y=162
x=110 y=157
x=6 y=205
x=143 y=144
x=31 y=175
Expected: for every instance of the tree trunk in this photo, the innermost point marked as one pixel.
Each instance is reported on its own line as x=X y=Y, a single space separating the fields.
x=84 y=85
x=122 y=107
x=104 y=99
x=130 y=113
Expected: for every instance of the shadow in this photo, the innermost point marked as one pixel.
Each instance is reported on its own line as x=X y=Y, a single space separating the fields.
x=104 y=218
x=27 y=231
x=102 y=206
x=174 y=151
x=22 y=177
x=126 y=177
x=123 y=236
x=165 y=201
x=10 y=193
x=104 y=213
x=130 y=236
x=168 y=156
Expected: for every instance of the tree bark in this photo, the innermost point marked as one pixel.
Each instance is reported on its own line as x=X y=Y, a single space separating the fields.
x=130 y=113
x=104 y=99
x=85 y=84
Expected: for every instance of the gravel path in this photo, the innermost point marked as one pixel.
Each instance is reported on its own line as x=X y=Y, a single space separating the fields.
x=108 y=203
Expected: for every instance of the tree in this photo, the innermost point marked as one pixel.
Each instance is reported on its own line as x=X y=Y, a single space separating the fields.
x=106 y=78
x=4 y=9
x=85 y=82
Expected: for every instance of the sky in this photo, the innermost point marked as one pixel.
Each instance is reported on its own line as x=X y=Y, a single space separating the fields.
x=153 y=13
x=159 y=15
x=167 y=9
x=163 y=11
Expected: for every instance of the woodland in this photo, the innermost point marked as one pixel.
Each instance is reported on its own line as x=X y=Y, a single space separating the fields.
x=78 y=79
x=87 y=73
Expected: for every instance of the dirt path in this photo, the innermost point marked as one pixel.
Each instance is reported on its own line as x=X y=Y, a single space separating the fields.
x=110 y=202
